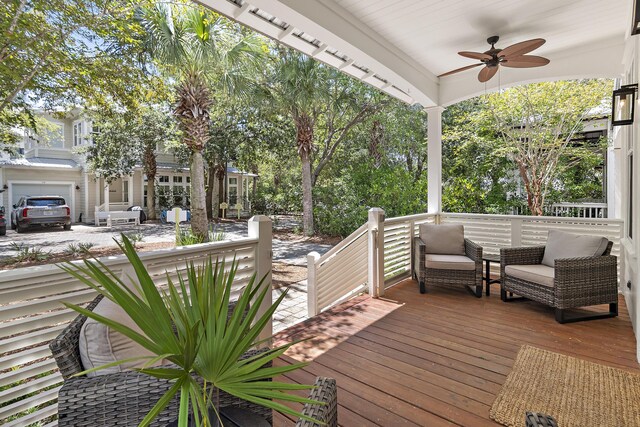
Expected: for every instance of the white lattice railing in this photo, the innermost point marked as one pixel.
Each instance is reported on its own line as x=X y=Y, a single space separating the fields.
x=398 y=240
x=338 y=274
x=353 y=265
x=31 y=314
x=579 y=210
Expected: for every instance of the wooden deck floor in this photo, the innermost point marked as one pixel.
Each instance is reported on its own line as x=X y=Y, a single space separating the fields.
x=438 y=359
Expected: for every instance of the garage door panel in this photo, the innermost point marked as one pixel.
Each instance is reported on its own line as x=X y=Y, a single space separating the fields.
x=62 y=190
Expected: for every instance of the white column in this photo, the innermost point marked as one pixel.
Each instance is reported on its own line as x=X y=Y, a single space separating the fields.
x=106 y=195
x=131 y=200
x=312 y=292
x=434 y=159
x=85 y=189
x=260 y=228
x=375 y=252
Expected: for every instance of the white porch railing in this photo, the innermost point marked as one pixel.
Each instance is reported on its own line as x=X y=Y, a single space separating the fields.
x=338 y=274
x=346 y=272
x=31 y=314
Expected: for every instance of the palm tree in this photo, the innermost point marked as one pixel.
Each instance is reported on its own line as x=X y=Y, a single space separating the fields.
x=202 y=52
x=297 y=86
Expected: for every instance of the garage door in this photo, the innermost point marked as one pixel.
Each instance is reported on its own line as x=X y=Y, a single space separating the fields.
x=64 y=190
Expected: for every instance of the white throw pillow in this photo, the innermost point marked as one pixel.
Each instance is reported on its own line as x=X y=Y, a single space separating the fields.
x=99 y=344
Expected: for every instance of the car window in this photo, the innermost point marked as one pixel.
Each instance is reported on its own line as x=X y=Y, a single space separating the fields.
x=45 y=202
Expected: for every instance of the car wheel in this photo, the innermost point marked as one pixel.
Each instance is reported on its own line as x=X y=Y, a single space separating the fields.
x=21 y=228
x=3 y=231
x=67 y=227
x=13 y=224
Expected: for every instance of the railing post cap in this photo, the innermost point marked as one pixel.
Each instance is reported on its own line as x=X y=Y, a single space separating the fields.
x=259 y=218
x=376 y=210
x=314 y=255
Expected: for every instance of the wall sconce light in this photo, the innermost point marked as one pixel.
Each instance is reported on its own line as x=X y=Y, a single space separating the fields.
x=77 y=187
x=5 y=186
x=623 y=105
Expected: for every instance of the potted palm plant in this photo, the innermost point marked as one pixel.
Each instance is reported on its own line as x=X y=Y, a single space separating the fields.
x=191 y=326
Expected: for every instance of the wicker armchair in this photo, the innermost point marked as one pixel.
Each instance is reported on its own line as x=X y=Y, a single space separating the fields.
x=426 y=274
x=326 y=392
x=576 y=282
x=120 y=399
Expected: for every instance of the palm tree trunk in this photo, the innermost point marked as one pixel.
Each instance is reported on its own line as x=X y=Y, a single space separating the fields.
x=307 y=198
x=199 y=223
x=211 y=182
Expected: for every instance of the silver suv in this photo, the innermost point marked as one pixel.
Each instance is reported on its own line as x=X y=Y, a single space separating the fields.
x=47 y=211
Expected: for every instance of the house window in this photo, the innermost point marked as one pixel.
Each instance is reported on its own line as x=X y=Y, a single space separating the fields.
x=54 y=137
x=163 y=178
x=144 y=196
x=232 y=191
x=125 y=191
x=77 y=134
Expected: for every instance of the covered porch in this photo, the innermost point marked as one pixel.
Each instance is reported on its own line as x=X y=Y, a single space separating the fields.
x=438 y=360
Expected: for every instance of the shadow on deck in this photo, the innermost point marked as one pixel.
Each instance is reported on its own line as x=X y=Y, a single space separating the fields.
x=437 y=359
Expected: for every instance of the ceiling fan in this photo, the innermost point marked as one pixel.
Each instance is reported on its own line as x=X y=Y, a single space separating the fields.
x=513 y=56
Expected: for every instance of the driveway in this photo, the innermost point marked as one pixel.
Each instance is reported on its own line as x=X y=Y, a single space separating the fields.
x=57 y=240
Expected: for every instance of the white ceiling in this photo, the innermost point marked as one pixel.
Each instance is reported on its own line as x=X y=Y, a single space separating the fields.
x=401 y=46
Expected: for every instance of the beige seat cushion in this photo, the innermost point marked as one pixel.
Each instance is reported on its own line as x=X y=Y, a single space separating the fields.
x=99 y=344
x=445 y=239
x=449 y=262
x=566 y=245
x=536 y=273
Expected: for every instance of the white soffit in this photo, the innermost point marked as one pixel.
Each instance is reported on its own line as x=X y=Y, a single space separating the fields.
x=400 y=46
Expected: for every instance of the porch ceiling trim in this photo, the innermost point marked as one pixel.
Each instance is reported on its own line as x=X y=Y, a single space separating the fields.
x=337 y=39
x=328 y=32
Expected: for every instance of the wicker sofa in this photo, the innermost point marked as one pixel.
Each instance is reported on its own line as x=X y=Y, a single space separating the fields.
x=443 y=257
x=572 y=281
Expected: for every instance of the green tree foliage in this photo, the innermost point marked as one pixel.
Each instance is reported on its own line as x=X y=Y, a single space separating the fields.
x=324 y=106
x=201 y=51
x=536 y=124
x=129 y=139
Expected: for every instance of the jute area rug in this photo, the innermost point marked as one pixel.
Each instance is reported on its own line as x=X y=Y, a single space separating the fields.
x=574 y=391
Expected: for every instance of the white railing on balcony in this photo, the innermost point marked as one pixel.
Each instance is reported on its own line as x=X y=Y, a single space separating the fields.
x=338 y=274
x=31 y=314
x=579 y=210
x=385 y=260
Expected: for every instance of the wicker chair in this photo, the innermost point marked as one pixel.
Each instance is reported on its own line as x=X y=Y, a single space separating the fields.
x=448 y=277
x=120 y=399
x=576 y=282
x=326 y=392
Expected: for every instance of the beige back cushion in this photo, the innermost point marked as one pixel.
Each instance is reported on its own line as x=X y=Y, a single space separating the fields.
x=99 y=344
x=566 y=245
x=446 y=239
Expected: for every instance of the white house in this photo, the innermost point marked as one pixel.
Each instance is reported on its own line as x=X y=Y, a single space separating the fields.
x=52 y=165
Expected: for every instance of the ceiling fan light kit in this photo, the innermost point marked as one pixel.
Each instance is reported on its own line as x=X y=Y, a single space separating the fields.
x=514 y=56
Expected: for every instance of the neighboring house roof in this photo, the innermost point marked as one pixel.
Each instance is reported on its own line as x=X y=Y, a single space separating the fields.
x=239 y=172
x=41 y=162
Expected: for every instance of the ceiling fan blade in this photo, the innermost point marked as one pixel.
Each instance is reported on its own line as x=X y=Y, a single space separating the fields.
x=521 y=48
x=524 y=61
x=475 y=55
x=486 y=73
x=457 y=70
